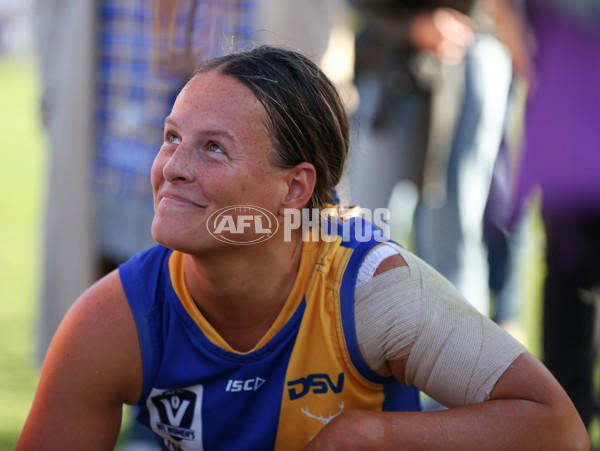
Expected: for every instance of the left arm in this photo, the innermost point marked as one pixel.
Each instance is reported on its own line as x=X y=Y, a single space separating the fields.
x=527 y=409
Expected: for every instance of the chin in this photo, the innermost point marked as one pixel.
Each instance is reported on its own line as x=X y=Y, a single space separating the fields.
x=183 y=239
x=171 y=233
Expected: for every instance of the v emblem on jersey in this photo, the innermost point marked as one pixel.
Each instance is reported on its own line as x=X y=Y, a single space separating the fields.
x=175 y=415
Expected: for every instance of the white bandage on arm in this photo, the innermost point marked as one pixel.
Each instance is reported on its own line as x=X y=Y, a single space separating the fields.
x=372 y=261
x=380 y=305
x=456 y=354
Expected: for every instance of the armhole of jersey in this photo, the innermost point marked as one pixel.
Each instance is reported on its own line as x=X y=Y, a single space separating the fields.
x=137 y=295
x=347 y=317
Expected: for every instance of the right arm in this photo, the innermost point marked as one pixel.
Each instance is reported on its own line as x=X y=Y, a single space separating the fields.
x=92 y=368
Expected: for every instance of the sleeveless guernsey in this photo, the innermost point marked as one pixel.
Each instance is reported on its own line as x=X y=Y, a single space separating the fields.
x=200 y=394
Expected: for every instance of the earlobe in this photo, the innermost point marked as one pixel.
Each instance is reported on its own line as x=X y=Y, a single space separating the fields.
x=301 y=184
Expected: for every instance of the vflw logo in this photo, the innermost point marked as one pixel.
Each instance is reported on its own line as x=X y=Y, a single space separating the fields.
x=175 y=415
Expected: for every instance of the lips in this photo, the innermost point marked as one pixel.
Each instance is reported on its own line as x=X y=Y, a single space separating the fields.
x=174 y=199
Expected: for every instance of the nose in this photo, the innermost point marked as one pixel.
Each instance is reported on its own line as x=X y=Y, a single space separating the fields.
x=179 y=166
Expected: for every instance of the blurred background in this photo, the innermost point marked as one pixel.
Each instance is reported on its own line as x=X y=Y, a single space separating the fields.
x=22 y=179
x=438 y=130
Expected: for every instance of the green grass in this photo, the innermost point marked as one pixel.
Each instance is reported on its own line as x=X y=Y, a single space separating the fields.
x=21 y=187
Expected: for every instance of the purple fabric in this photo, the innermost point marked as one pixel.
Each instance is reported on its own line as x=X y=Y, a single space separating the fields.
x=561 y=149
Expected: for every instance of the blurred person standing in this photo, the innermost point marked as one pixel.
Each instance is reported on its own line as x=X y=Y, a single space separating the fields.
x=449 y=215
x=434 y=87
x=561 y=156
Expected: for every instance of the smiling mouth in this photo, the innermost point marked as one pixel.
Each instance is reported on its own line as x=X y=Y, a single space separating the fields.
x=178 y=201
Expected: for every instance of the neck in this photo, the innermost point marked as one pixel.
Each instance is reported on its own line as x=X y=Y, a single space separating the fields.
x=241 y=292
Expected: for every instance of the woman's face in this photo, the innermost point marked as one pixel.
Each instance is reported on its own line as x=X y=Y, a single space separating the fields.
x=215 y=154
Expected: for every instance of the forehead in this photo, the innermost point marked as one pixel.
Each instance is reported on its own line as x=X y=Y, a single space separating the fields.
x=216 y=101
x=213 y=89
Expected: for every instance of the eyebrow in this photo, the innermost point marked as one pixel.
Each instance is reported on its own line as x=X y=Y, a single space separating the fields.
x=211 y=132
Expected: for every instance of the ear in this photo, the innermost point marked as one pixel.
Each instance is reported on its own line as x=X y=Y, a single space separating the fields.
x=301 y=184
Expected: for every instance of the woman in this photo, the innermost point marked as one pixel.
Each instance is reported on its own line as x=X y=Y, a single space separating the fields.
x=295 y=340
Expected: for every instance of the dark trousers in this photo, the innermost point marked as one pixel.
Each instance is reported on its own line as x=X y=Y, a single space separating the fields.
x=570 y=309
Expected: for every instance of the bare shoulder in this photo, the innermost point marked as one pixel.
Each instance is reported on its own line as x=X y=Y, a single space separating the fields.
x=92 y=368
x=100 y=329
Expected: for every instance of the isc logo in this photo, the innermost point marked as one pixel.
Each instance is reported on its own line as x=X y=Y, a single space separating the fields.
x=317 y=383
x=235 y=385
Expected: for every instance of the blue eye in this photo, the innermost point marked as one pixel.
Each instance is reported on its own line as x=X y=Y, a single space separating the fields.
x=214 y=147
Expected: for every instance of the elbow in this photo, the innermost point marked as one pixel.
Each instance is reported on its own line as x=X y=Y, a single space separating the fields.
x=578 y=438
x=579 y=441
x=571 y=434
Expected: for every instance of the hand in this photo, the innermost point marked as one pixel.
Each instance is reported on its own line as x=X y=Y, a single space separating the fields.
x=445 y=32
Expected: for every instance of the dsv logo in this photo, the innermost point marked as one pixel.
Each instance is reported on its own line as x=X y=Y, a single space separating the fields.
x=242 y=224
x=317 y=383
